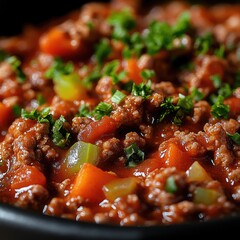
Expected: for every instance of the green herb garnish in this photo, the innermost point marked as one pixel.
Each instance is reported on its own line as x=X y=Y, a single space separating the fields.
x=122 y=23
x=118 y=97
x=102 y=109
x=235 y=138
x=103 y=50
x=219 y=109
x=134 y=155
x=60 y=136
x=143 y=89
x=170 y=185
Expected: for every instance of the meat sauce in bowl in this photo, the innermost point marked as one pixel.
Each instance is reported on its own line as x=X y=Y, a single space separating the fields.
x=124 y=115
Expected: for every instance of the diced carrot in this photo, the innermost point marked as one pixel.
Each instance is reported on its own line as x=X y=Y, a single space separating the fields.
x=175 y=157
x=143 y=169
x=6 y=115
x=234 y=104
x=89 y=183
x=147 y=166
x=26 y=176
x=96 y=130
x=133 y=70
x=57 y=43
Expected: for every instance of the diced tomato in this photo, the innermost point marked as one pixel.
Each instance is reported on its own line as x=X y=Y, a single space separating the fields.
x=6 y=114
x=26 y=176
x=57 y=43
x=234 y=104
x=175 y=157
x=89 y=183
x=97 y=130
x=134 y=72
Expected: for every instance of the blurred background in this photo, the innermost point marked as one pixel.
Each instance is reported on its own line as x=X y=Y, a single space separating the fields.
x=16 y=13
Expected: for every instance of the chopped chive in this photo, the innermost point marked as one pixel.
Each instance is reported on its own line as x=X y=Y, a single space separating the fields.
x=171 y=186
x=147 y=74
x=134 y=155
x=217 y=81
x=219 y=109
x=118 y=97
x=235 y=138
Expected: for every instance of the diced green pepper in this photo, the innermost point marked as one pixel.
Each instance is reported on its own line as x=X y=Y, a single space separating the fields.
x=80 y=153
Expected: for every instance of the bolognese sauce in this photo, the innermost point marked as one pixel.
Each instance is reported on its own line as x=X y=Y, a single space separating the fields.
x=124 y=114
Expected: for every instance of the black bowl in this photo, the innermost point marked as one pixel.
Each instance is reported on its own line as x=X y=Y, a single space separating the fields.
x=16 y=223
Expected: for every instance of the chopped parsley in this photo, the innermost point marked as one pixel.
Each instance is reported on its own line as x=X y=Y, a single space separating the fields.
x=143 y=89
x=103 y=50
x=182 y=25
x=203 y=43
x=134 y=46
x=16 y=110
x=225 y=91
x=111 y=70
x=134 y=155
x=102 y=109
x=60 y=136
x=94 y=76
x=177 y=112
x=219 y=109
x=235 y=138
x=58 y=67
x=196 y=95
x=122 y=22
x=43 y=116
x=167 y=108
x=118 y=97
x=220 y=52
x=15 y=64
x=146 y=74
x=161 y=35
x=83 y=111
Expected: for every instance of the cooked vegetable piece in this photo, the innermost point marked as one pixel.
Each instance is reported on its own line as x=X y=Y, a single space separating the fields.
x=57 y=43
x=26 y=176
x=234 y=105
x=134 y=72
x=197 y=173
x=175 y=157
x=120 y=188
x=69 y=87
x=205 y=196
x=170 y=185
x=96 y=130
x=78 y=154
x=6 y=114
x=89 y=183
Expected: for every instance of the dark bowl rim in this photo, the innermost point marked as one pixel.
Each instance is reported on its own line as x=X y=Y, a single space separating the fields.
x=24 y=220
